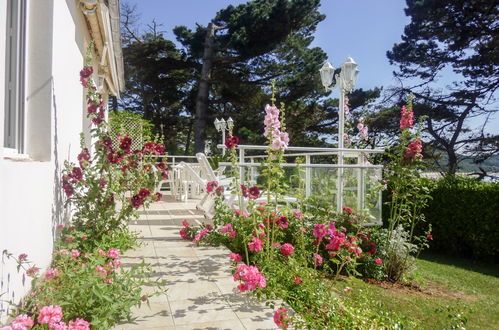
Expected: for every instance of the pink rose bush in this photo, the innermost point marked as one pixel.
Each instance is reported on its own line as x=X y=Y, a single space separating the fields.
x=250 y=278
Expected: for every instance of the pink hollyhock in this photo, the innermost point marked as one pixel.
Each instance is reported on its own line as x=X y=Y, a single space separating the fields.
x=271 y=121
x=58 y=326
x=282 y=222
x=287 y=249
x=281 y=318
x=79 y=324
x=69 y=239
x=113 y=253
x=236 y=257
x=185 y=223
x=250 y=277
x=59 y=227
x=101 y=252
x=414 y=149
x=76 y=174
x=378 y=261
x=75 y=253
x=255 y=245
x=50 y=314
x=406 y=118
x=317 y=259
x=348 y=210
x=32 y=271
x=51 y=273
x=232 y=234
x=210 y=186
x=298 y=280
x=298 y=215
x=253 y=192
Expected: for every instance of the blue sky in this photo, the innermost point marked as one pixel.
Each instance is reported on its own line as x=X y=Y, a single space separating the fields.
x=362 y=29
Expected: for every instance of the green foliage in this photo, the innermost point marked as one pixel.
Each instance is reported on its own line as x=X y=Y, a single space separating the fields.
x=119 y=124
x=433 y=45
x=464 y=217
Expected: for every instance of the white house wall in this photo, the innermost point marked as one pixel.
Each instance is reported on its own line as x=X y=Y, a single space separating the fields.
x=30 y=195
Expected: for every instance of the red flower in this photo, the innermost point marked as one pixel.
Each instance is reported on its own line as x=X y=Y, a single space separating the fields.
x=143 y=193
x=282 y=222
x=76 y=174
x=253 y=192
x=430 y=237
x=406 y=119
x=125 y=144
x=136 y=201
x=378 y=261
x=231 y=142
x=114 y=158
x=220 y=190
x=210 y=186
x=244 y=190
x=348 y=210
x=298 y=280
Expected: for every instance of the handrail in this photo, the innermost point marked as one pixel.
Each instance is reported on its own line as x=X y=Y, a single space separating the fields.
x=319 y=149
x=308 y=165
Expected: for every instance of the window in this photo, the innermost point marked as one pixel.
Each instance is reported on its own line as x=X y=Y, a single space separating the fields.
x=14 y=75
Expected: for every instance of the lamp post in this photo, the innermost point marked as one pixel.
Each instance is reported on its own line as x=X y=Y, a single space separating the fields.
x=344 y=78
x=222 y=125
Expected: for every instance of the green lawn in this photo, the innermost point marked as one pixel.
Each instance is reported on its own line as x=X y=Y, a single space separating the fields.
x=453 y=289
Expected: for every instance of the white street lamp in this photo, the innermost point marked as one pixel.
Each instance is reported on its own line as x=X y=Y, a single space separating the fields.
x=344 y=78
x=221 y=126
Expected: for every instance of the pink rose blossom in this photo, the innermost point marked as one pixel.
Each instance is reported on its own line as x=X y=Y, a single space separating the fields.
x=378 y=261
x=236 y=257
x=287 y=249
x=51 y=273
x=113 y=253
x=281 y=318
x=58 y=326
x=50 y=314
x=250 y=277
x=320 y=231
x=79 y=324
x=317 y=260
x=255 y=245
x=22 y=322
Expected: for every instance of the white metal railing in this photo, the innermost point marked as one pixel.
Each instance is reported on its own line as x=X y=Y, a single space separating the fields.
x=353 y=183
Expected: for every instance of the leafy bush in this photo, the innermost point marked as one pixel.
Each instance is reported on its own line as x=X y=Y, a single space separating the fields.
x=464 y=214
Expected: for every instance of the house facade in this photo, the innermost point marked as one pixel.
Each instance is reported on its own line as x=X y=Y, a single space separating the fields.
x=43 y=110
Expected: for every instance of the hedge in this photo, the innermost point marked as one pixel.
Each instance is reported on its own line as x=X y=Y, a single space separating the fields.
x=464 y=214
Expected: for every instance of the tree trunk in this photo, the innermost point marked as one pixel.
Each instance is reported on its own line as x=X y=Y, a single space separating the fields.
x=204 y=90
x=188 y=139
x=452 y=165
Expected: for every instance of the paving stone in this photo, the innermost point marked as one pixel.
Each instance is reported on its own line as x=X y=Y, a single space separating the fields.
x=200 y=291
x=202 y=310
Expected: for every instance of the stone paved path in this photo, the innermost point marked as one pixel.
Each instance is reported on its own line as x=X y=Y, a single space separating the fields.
x=201 y=292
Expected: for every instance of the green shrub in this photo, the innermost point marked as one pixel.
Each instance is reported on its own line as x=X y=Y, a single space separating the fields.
x=464 y=214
